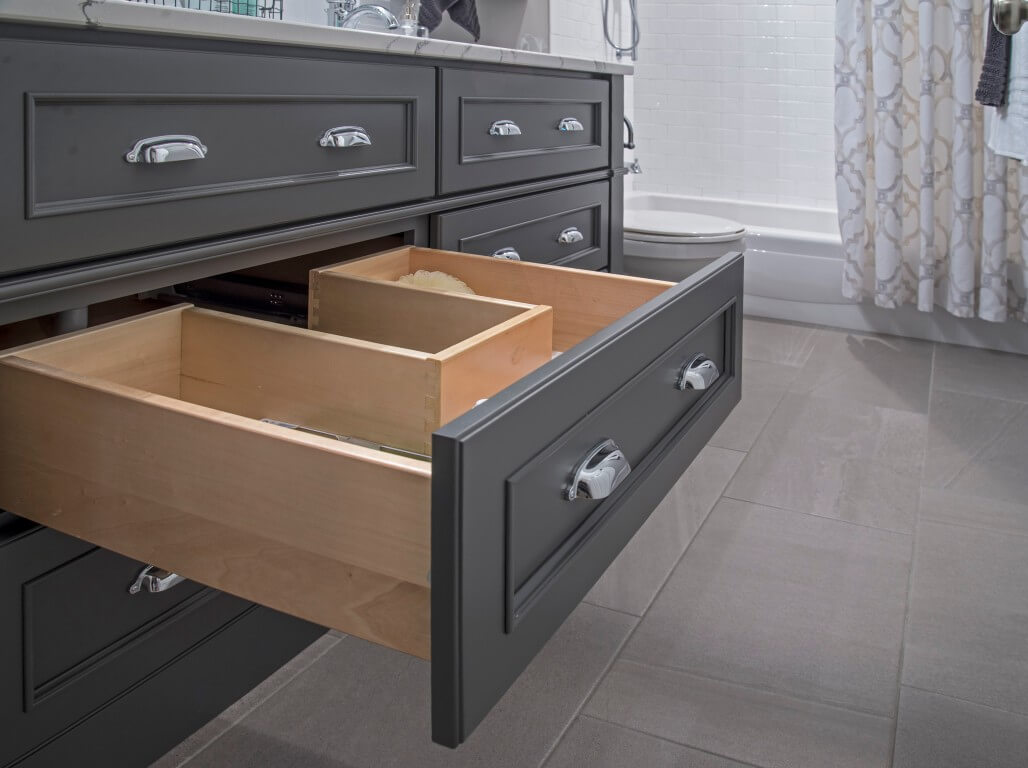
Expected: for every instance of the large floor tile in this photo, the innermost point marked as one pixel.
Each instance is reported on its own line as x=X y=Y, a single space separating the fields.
x=363 y=706
x=878 y=370
x=745 y=724
x=939 y=732
x=763 y=386
x=981 y=372
x=800 y=604
x=594 y=743
x=967 y=629
x=854 y=462
x=774 y=341
x=978 y=447
x=632 y=580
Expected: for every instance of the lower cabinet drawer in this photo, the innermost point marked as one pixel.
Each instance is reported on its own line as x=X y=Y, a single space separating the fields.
x=568 y=227
x=74 y=638
x=419 y=469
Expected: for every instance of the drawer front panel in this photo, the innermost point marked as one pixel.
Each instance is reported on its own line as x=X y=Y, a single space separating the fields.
x=80 y=639
x=534 y=226
x=500 y=472
x=77 y=111
x=480 y=148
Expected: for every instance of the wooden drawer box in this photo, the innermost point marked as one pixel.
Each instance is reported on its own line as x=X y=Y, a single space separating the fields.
x=145 y=437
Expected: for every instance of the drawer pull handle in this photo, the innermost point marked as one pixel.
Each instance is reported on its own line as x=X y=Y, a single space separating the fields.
x=166 y=149
x=510 y=254
x=345 y=136
x=596 y=476
x=700 y=373
x=504 y=128
x=570 y=125
x=570 y=235
x=154 y=579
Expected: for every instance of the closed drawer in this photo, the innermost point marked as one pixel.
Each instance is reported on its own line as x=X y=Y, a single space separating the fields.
x=565 y=227
x=74 y=639
x=146 y=437
x=261 y=156
x=501 y=128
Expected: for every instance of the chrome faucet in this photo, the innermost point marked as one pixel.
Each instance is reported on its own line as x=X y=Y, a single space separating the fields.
x=630 y=144
x=347 y=14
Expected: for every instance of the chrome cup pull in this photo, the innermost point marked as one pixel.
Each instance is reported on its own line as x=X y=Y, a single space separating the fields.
x=154 y=579
x=504 y=128
x=570 y=235
x=1009 y=15
x=570 y=125
x=596 y=476
x=510 y=254
x=345 y=136
x=700 y=373
x=166 y=149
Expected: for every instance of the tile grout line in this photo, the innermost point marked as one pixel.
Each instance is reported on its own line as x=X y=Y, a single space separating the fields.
x=761 y=689
x=666 y=740
x=972 y=702
x=980 y=528
x=638 y=623
x=250 y=710
x=913 y=565
x=821 y=517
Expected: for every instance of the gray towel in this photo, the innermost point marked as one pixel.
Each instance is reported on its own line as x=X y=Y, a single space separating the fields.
x=995 y=78
x=463 y=12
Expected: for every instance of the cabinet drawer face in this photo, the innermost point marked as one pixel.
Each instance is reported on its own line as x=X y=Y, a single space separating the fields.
x=128 y=148
x=150 y=437
x=501 y=128
x=562 y=227
x=84 y=640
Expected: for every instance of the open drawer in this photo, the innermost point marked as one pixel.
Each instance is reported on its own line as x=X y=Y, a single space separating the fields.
x=145 y=436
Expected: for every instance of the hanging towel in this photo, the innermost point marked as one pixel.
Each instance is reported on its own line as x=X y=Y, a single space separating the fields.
x=1008 y=129
x=992 y=85
x=463 y=12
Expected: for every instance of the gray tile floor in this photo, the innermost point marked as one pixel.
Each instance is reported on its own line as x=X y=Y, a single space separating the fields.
x=840 y=579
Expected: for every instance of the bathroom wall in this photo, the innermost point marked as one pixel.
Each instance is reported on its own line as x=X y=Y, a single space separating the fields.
x=734 y=98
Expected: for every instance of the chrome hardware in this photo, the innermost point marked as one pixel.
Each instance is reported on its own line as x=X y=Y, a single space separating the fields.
x=570 y=125
x=700 y=373
x=510 y=254
x=348 y=13
x=351 y=440
x=154 y=579
x=345 y=136
x=630 y=144
x=570 y=235
x=602 y=470
x=504 y=128
x=167 y=149
x=634 y=167
x=1009 y=15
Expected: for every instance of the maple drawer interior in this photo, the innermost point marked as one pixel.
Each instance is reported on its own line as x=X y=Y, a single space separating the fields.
x=145 y=436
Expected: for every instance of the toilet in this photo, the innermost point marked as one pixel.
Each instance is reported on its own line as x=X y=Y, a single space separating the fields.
x=671 y=245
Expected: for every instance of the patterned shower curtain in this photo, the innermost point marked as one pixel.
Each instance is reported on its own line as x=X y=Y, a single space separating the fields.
x=928 y=214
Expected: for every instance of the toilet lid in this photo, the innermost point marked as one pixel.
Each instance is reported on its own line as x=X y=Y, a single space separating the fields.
x=680 y=226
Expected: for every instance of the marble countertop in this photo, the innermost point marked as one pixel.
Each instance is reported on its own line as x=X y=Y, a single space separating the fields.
x=139 y=17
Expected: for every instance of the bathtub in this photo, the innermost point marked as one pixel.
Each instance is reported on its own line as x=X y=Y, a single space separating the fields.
x=793 y=272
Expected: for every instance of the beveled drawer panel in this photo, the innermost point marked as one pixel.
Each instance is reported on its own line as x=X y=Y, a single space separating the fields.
x=130 y=148
x=498 y=129
x=151 y=437
x=563 y=227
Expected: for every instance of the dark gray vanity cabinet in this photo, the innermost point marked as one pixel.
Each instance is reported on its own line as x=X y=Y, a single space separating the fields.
x=220 y=170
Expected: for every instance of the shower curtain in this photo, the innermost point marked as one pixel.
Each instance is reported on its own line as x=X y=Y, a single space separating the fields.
x=928 y=215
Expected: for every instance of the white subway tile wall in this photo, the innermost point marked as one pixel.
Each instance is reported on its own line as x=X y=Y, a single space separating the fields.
x=732 y=99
